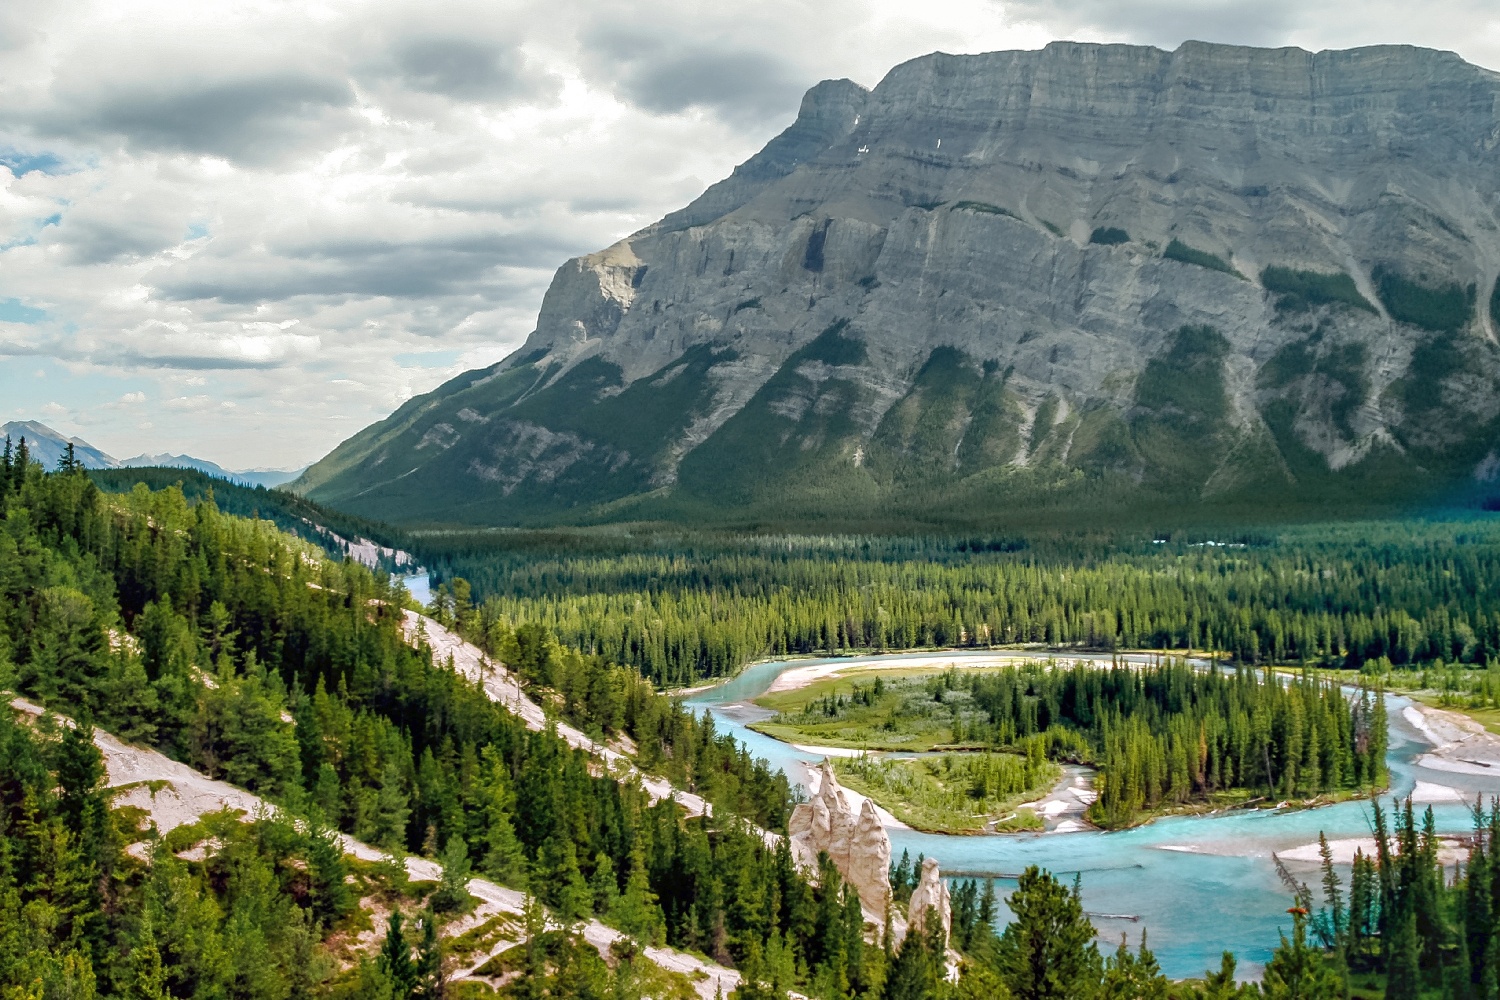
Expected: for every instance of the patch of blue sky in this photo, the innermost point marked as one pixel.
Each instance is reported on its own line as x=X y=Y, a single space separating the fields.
x=27 y=241
x=16 y=311
x=197 y=231
x=33 y=388
x=21 y=163
x=428 y=359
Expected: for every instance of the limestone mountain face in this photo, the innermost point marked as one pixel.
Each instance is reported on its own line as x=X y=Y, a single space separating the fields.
x=994 y=279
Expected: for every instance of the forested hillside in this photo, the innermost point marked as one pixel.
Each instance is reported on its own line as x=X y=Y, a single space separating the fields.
x=291 y=513
x=683 y=607
x=249 y=655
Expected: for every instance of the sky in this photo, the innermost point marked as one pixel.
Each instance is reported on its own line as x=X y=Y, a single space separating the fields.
x=245 y=230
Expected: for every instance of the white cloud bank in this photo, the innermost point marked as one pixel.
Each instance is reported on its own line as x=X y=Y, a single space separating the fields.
x=309 y=212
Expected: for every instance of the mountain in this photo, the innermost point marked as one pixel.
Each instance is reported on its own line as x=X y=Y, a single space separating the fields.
x=1089 y=275
x=255 y=477
x=48 y=446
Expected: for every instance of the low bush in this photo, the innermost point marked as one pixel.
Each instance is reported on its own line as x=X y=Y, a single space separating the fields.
x=1177 y=250
x=1299 y=291
x=1439 y=308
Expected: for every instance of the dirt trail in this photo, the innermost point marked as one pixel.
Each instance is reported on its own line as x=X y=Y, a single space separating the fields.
x=173 y=795
x=503 y=687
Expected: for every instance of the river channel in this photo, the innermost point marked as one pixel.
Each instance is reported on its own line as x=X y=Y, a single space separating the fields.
x=1197 y=885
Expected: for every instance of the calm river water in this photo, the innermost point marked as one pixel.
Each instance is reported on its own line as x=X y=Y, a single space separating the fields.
x=1198 y=885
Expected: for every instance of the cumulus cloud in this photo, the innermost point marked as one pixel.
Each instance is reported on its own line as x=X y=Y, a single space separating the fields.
x=313 y=212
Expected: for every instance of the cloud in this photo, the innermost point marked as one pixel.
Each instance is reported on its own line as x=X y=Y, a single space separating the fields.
x=317 y=211
x=255 y=120
x=1168 y=23
x=670 y=75
x=469 y=69
x=1469 y=27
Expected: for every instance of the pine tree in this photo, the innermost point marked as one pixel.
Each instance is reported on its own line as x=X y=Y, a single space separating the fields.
x=637 y=913
x=147 y=977
x=1403 y=958
x=1047 y=952
x=603 y=885
x=395 y=960
x=1298 y=971
x=427 y=970
x=452 y=893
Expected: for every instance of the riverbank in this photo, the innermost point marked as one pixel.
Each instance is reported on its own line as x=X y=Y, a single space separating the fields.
x=1460 y=744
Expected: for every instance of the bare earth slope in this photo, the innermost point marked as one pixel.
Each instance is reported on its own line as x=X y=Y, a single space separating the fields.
x=1191 y=274
x=173 y=794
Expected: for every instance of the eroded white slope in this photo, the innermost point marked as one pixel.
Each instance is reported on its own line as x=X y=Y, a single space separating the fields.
x=173 y=794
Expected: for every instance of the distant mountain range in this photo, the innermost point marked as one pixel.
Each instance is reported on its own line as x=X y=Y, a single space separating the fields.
x=48 y=447
x=1086 y=276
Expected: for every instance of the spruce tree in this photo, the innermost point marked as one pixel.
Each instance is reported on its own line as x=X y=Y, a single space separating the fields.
x=427 y=970
x=1047 y=952
x=395 y=960
x=1298 y=971
x=452 y=893
x=1403 y=958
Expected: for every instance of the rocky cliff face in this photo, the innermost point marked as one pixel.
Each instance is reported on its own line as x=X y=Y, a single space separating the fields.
x=930 y=901
x=855 y=842
x=994 y=278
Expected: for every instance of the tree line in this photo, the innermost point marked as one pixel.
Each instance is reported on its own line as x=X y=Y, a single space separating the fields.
x=681 y=608
x=1168 y=734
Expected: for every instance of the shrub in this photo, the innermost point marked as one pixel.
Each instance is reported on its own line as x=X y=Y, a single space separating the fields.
x=1177 y=250
x=1495 y=303
x=1109 y=236
x=1439 y=308
x=1299 y=291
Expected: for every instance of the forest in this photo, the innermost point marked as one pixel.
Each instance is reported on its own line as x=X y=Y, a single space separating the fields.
x=683 y=607
x=253 y=657
x=1163 y=735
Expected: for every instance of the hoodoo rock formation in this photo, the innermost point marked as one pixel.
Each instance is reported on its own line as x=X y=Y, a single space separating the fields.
x=930 y=900
x=856 y=843
x=1085 y=274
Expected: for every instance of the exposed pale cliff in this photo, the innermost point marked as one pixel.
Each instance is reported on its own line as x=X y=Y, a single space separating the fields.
x=930 y=900
x=854 y=840
x=997 y=280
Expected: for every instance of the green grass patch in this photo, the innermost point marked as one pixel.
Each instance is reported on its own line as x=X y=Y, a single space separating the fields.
x=1109 y=236
x=1440 y=308
x=1180 y=251
x=955 y=792
x=1300 y=291
x=884 y=709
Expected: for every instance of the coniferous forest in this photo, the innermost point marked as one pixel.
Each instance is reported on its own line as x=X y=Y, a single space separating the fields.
x=685 y=607
x=253 y=657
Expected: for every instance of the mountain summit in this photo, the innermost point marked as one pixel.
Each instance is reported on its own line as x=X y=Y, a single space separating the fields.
x=1090 y=271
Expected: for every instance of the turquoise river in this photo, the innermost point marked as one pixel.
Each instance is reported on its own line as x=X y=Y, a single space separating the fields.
x=1197 y=885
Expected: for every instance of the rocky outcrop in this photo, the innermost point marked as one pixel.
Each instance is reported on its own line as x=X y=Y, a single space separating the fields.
x=930 y=901
x=1219 y=271
x=855 y=842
